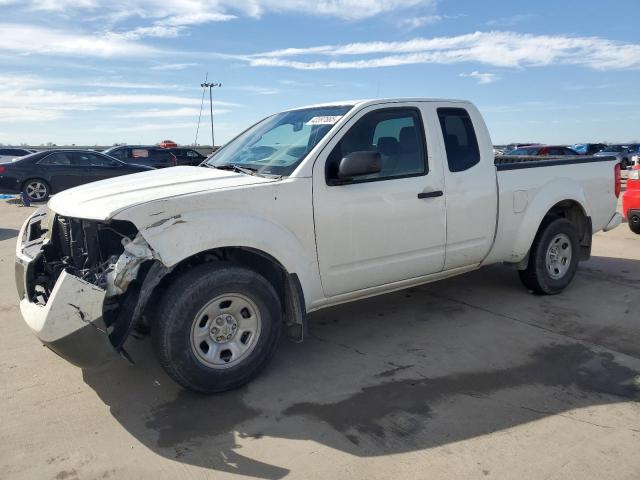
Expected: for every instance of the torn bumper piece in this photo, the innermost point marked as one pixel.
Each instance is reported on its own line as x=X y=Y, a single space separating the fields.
x=71 y=322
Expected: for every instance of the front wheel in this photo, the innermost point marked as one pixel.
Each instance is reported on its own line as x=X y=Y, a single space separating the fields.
x=219 y=326
x=553 y=259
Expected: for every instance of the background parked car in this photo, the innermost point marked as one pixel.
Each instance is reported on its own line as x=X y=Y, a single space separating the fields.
x=9 y=153
x=544 y=150
x=43 y=173
x=588 y=148
x=187 y=156
x=151 y=156
x=631 y=200
x=514 y=146
x=621 y=152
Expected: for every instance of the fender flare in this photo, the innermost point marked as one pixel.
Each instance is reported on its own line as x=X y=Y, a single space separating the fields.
x=555 y=192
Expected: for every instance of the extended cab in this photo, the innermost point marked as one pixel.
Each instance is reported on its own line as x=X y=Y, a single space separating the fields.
x=308 y=208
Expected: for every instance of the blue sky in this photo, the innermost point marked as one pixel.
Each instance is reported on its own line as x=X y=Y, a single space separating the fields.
x=107 y=71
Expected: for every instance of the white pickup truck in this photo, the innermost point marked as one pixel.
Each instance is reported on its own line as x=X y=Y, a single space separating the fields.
x=308 y=208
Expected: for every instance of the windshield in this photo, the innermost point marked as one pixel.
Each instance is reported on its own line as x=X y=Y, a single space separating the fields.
x=277 y=144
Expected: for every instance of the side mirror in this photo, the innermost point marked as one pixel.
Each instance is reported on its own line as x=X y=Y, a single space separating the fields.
x=357 y=164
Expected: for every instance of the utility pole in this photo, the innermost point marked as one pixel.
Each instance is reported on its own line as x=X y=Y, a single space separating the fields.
x=210 y=86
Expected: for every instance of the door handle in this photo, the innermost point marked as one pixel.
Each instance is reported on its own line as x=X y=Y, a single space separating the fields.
x=435 y=193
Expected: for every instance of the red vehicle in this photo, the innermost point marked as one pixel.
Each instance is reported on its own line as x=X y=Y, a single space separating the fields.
x=168 y=144
x=544 y=150
x=631 y=200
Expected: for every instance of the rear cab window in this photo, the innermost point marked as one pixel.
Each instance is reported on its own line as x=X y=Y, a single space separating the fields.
x=460 y=139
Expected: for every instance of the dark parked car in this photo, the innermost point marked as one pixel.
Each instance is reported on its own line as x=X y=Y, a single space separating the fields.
x=187 y=156
x=151 y=156
x=40 y=174
x=9 y=153
x=623 y=154
x=544 y=150
x=588 y=148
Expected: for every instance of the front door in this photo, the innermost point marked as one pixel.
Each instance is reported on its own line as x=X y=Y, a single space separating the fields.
x=385 y=227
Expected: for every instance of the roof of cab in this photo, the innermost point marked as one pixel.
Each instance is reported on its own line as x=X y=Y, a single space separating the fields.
x=375 y=101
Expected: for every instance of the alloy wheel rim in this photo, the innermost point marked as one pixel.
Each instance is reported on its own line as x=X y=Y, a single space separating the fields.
x=225 y=331
x=558 y=258
x=36 y=190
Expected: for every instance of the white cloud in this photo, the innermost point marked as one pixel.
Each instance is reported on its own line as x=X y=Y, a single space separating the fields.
x=31 y=39
x=482 y=78
x=24 y=98
x=174 y=66
x=416 y=22
x=498 y=49
x=171 y=113
x=125 y=85
x=169 y=17
x=255 y=89
x=512 y=20
x=21 y=114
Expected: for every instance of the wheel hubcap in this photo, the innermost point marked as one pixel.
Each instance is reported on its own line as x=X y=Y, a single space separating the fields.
x=225 y=330
x=558 y=260
x=36 y=190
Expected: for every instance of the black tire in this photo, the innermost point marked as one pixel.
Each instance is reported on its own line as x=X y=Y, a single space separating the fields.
x=187 y=295
x=634 y=224
x=42 y=197
x=536 y=276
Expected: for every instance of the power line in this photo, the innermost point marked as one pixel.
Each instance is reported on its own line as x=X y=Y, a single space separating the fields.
x=200 y=114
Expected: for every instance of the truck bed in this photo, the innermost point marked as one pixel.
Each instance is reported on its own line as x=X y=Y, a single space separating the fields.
x=524 y=196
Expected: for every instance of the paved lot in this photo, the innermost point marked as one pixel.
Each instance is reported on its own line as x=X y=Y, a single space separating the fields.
x=468 y=378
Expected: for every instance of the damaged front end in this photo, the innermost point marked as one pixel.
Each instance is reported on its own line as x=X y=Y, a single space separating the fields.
x=83 y=284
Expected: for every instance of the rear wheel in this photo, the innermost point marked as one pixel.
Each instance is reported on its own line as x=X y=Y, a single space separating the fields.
x=36 y=189
x=634 y=223
x=553 y=259
x=219 y=326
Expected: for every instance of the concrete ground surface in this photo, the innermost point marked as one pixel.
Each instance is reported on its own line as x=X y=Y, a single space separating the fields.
x=472 y=377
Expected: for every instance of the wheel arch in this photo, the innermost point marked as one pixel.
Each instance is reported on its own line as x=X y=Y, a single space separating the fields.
x=286 y=284
x=562 y=198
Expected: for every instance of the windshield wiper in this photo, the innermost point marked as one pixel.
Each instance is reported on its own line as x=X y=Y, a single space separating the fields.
x=238 y=168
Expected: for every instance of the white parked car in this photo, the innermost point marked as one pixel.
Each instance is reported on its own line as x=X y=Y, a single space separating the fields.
x=308 y=208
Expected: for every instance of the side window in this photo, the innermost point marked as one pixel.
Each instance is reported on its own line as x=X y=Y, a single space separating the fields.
x=459 y=139
x=59 y=158
x=91 y=160
x=121 y=154
x=160 y=155
x=139 y=153
x=396 y=133
x=192 y=154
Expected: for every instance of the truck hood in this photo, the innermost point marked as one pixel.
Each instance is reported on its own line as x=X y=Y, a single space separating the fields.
x=102 y=200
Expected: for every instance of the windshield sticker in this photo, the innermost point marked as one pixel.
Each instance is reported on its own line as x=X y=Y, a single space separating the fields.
x=324 y=120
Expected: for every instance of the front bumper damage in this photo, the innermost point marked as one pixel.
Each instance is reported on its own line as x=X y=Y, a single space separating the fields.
x=82 y=314
x=71 y=322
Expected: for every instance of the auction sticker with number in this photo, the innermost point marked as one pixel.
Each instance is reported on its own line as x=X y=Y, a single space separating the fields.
x=325 y=120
